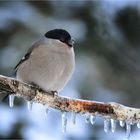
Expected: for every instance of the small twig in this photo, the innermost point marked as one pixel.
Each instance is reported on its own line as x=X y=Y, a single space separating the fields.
x=108 y=110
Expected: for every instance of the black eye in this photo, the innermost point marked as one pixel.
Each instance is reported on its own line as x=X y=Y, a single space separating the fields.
x=62 y=39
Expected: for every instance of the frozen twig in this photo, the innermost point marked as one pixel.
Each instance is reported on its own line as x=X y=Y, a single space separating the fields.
x=108 y=110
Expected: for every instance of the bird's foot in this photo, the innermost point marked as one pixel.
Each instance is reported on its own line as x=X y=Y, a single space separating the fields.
x=54 y=93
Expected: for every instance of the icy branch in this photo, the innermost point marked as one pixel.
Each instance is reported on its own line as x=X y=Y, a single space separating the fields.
x=108 y=110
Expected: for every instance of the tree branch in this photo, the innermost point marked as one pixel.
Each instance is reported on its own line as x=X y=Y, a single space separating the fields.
x=108 y=110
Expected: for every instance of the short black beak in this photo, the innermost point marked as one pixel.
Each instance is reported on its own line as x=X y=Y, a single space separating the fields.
x=71 y=43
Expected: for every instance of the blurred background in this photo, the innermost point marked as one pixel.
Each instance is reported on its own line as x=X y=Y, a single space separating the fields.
x=107 y=49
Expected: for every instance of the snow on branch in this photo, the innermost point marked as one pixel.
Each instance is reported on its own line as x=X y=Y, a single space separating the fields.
x=111 y=110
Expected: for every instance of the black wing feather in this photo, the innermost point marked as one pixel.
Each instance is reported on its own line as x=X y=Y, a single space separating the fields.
x=27 y=55
x=22 y=60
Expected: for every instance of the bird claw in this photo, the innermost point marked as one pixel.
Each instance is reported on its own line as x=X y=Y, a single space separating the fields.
x=54 y=93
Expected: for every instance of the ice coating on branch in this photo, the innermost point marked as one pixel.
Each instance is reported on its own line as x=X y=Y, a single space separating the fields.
x=74 y=118
x=113 y=125
x=128 y=130
x=138 y=125
x=92 y=119
x=106 y=125
x=122 y=123
x=11 y=100
x=64 y=121
x=87 y=118
x=29 y=105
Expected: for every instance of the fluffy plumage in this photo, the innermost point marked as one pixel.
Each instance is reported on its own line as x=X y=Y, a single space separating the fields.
x=49 y=63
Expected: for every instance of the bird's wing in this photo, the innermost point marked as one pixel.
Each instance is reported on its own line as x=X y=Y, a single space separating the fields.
x=29 y=52
x=27 y=55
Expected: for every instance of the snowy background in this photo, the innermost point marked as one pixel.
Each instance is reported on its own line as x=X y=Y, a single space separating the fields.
x=107 y=48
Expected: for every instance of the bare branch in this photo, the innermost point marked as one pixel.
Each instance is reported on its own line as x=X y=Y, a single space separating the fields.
x=29 y=92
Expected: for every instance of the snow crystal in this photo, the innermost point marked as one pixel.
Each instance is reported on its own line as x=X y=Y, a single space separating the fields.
x=106 y=125
x=92 y=119
x=11 y=100
x=64 y=121
x=122 y=123
x=113 y=125
x=29 y=105
x=74 y=118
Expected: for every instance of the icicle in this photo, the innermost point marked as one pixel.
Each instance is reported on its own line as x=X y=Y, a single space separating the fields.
x=87 y=118
x=29 y=105
x=47 y=109
x=106 y=125
x=138 y=125
x=122 y=123
x=74 y=118
x=113 y=125
x=92 y=119
x=64 y=121
x=11 y=100
x=128 y=130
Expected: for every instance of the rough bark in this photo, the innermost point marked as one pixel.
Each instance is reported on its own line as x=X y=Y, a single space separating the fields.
x=65 y=104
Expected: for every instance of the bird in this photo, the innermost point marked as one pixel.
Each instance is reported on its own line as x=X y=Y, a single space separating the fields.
x=49 y=63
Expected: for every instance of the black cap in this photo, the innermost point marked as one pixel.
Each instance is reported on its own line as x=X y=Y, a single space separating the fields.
x=61 y=35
